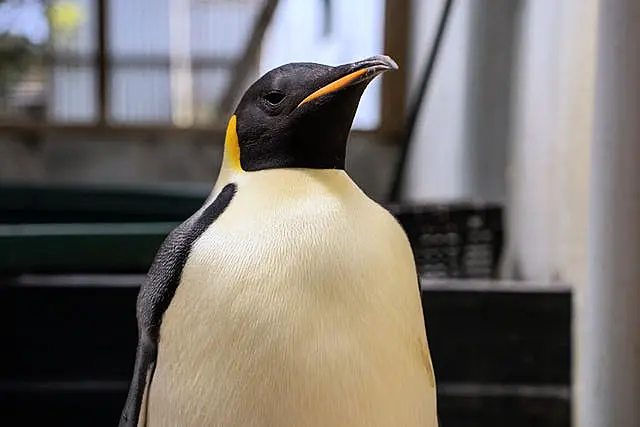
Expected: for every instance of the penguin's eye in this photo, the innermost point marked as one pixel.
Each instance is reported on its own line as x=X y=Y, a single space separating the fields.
x=274 y=98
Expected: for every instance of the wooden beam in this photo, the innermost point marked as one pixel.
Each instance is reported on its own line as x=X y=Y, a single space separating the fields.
x=136 y=61
x=394 y=85
x=249 y=57
x=102 y=60
x=213 y=133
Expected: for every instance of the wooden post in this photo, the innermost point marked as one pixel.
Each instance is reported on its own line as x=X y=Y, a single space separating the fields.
x=252 y=49
x=394 y=85
x=102 y=61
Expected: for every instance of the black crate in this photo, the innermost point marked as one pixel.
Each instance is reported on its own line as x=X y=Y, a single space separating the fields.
x=455 y=240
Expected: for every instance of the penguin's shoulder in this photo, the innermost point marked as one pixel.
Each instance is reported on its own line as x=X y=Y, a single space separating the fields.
x=166 y=270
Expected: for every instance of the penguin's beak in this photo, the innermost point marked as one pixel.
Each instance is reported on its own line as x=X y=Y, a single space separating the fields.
x=352 y=74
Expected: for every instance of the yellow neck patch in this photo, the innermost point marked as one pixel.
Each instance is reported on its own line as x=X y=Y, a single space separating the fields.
x=231 y=145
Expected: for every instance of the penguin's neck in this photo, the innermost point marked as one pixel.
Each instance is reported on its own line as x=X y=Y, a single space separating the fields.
x=277 y=181
x=281 y=182
x=291 y=182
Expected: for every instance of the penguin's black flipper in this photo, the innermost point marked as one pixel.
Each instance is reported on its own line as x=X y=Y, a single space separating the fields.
x=156 y=293
x=142 y=372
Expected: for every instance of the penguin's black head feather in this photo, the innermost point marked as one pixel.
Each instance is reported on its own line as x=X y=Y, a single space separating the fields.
x=299 y=115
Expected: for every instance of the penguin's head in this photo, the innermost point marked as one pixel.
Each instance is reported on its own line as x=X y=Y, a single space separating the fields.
x=299 y=115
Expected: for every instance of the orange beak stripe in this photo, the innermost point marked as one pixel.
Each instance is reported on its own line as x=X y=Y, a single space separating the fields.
x=334 y=86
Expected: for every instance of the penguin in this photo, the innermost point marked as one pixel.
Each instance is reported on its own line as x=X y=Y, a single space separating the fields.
x=290 y=298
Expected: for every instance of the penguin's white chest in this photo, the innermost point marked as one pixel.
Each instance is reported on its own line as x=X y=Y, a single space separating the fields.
x=298 y=307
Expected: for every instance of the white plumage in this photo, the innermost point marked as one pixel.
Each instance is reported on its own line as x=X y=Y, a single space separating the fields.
x=298 y=307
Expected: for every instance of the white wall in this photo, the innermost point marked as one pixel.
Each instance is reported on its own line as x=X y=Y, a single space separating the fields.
x=577 y=107
x=550 y=158
x=460 y=144
x=532 y=173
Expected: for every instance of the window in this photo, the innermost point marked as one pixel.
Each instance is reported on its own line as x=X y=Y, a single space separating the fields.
x=162 y=59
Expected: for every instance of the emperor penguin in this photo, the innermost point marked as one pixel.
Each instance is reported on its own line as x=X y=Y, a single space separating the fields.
x=290 y=298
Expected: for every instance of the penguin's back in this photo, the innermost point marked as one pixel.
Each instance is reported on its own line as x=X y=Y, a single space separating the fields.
x=299 y=306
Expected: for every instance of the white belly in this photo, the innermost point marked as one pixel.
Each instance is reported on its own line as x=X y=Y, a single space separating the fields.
x=298 y=307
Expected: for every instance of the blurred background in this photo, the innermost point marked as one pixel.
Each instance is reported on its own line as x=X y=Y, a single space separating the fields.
x=112 y=115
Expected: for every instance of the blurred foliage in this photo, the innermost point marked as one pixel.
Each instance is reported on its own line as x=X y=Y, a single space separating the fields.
x=18 y=54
